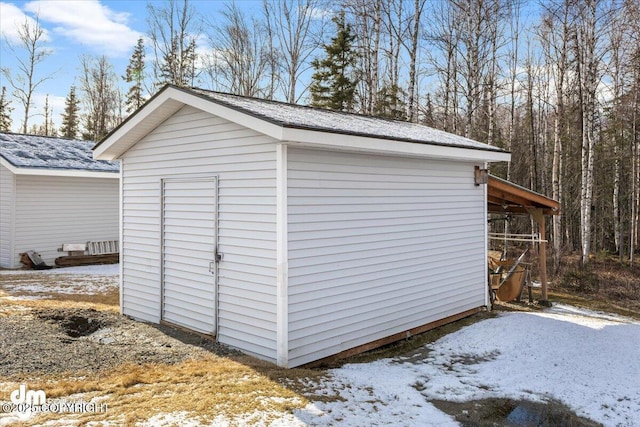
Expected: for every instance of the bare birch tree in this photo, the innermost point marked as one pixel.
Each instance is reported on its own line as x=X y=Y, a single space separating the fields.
x=411 y=43
x=173 y=30
x=297 y=30
x=554 y=34
x=442 y=36
x=240 y=55
x=26 y=80
x=587 y=37
x=367 y=25
x=394 y=30
x=100 y=96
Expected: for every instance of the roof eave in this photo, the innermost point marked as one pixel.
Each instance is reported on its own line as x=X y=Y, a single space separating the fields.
x=506 y=196
x=321 y=139
x=171 y=98
x=82 y=173
x=159 y=108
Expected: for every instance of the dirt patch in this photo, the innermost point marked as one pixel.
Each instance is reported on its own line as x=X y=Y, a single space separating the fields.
x=509 y=412
x=50 y=341
x=75 y=323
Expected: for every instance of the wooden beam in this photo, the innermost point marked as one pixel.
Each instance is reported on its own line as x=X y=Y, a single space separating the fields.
x=515 y=209
x=508 y=197
x=514 y=192
x=392 y=338
x=538 y=216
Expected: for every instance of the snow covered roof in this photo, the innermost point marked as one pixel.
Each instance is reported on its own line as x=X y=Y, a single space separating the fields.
x=41 y=152
x=304 y=117
x=299 y=125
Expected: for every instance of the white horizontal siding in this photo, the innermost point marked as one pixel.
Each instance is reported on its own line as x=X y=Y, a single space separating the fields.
x=378 y=245
x=194 y=143
x=54 y=210
x=7 y=209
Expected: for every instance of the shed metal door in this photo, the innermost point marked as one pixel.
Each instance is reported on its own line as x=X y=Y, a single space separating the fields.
x=189 y=223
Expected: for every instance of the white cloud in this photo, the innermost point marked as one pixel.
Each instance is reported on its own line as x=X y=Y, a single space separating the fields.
x=38 y=101
x=88 y=23
x=320 y=13
x=11 y=18
x=56 y=104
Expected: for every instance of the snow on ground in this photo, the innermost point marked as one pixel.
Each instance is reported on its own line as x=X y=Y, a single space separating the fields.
x=103 y=270
x=90 y=280
x=589 y=361
x=263 y=419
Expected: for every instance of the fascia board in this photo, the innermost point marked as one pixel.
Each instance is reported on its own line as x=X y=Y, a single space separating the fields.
x=336 y=141
x=58 y=172
x=137 y=126
x=160 y=109
x=233 y=115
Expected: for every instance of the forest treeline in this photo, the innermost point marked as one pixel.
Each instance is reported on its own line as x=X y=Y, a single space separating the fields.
x=556 y=82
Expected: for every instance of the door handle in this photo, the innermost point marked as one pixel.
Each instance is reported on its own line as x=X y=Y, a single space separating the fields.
x=218 y=256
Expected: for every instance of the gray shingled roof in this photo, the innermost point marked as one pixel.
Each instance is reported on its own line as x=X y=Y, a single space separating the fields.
x=302 y=117
x=31 y=151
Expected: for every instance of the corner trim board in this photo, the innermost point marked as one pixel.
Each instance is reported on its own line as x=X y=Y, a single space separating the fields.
x=282 y=258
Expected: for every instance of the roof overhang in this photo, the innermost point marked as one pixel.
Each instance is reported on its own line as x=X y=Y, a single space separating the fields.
x=170 y=99
x=506 y=197
x=16 y=170
x=335 y=141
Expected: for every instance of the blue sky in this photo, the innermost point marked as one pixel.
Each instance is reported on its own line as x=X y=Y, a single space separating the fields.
x=99 y=27
x=76 y=27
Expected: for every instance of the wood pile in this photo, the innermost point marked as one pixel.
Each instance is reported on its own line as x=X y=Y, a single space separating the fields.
x=76 y=260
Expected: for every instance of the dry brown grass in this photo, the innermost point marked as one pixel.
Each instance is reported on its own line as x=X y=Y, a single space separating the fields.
x=205 y=388
x=13 y=298
x=102 y=302
x=604 y=284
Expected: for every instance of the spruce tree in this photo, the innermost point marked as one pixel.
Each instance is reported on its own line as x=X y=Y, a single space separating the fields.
x=390 y=103
x=333 y=84
x=178 y=67
x=70 y=118
x=5 y=112
x=135 y=75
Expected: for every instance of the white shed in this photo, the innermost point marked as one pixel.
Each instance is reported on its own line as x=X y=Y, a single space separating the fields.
x=52 y=192
x=295 y=233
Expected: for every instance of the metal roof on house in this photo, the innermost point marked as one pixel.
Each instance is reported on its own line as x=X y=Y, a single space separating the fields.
x=319 y=119
x=42 y=152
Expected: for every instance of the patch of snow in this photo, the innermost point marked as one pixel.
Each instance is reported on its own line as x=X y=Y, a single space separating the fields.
x=88 y=280
x=88 y=285
x=379 y=393
x=176 y=418
x=98 y=270
x=589 y=361
x=24 y=297
x=580 y=313
x=258 y=419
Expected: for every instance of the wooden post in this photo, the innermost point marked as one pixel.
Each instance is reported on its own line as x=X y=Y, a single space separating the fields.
x=538 y=216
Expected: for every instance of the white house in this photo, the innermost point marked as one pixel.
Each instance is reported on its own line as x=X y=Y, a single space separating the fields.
x=52 y=192
x=295 y=233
